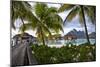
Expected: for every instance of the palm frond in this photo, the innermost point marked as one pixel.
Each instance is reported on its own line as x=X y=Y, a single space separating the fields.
x=46 y=30
x=40 y=9
x=72 y=14
x=53 y=21
x=91 y=13
x=52 y=10
x=21 y=9
x=65 y=7
x=25 y=27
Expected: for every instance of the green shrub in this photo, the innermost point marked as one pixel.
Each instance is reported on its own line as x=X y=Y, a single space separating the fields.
x=65 y=54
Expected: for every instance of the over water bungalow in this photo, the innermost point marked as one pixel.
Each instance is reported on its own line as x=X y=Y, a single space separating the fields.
x=70 y=37
x=55 y=37
x=25 y=37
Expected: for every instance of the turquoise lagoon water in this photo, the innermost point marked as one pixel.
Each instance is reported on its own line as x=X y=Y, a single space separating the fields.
x=75 y=42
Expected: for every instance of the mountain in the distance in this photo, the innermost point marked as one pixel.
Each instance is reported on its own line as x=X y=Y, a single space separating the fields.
x=78 y=34
x=81 y=34
x=92 y=35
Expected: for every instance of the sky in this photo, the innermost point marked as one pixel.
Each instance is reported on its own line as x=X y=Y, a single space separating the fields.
x=68 y=26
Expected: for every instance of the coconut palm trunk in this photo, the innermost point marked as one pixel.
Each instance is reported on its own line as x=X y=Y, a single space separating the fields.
x=23 y=24
x=22 y=28
x=43 y=40
x=85 y=26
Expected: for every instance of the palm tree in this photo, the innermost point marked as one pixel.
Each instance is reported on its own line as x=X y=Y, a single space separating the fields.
x=47 y=21
x=20 y=9
x=82 y=11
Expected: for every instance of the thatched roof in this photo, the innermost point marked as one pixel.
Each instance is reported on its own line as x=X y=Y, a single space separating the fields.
x=23 y=35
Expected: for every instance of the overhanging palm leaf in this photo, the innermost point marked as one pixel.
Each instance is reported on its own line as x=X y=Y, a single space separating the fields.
x=65 y=7
x=90 y=11
x=40 y=9
x=21 y=9
x=72 y=14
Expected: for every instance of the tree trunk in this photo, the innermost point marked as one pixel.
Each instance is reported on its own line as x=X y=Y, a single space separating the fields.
x=86 y=31
x=23 y=28
x=23 y=24
x=43 y=40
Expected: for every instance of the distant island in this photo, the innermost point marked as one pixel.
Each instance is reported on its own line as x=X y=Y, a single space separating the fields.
x=80 y=34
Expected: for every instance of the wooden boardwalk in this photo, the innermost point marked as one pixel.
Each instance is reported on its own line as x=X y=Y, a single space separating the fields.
x=21 y=55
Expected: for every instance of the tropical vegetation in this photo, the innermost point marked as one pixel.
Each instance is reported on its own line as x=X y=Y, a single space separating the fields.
x=66 y=54
x=20 y=10
x=48 y=21
x=82 y=11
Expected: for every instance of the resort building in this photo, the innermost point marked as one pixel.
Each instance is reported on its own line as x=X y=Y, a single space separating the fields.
x=25 y=37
